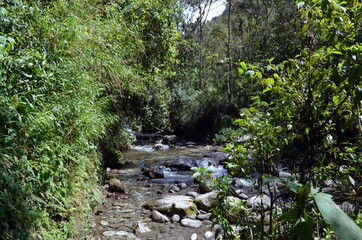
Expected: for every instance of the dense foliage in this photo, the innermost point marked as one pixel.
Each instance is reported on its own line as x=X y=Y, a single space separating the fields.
x=309 y=113
x=72 y=72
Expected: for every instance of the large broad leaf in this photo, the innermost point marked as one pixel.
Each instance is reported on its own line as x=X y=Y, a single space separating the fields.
x=344 y=226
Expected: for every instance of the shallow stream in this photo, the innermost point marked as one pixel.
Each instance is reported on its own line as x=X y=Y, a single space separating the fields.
x=117 y=218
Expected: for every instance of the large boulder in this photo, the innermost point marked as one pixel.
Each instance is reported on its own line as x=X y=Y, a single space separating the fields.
x=181 y=164
x=206 y=201
x=177 y=204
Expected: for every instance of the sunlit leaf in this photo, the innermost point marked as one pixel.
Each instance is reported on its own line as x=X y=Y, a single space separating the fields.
x=343 y=225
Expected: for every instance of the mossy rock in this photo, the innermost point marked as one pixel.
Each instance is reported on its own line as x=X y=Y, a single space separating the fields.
x=115 y=185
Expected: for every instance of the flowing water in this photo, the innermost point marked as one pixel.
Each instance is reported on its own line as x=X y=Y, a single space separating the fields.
x=117 y=218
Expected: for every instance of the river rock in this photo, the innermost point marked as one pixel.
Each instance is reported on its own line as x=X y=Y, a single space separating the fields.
x=159 y=217
x=175 y=188
x=176 y=204
x=109 y=233
x=191 y=223
x=206 y=185
x=209 y=235
x=204 y=216
x=243 y=196
x=206 y=201
x=183 y=185
x=152 y=173
x=193 y=236
x=192 y=194
x=347 y=207
x=181 y=164
x=175 y=218
x=126 y=234
x=255 y=201
x=116 y=185
x=141 y=228
x=169 y=139
x=160 y=146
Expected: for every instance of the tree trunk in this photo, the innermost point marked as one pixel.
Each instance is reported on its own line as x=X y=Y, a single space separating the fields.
x=229 y=74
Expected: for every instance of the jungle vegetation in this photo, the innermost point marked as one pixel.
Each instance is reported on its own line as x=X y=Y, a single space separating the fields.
x=74 y=74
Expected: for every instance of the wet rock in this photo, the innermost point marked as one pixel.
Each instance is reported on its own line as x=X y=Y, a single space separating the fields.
x=255 y=202
x=176 y=204
x=183 y=185
x=192 y=194
x=159 y=217
x=233 y=200
x=160 y=146
x=175 y=188
x=206 y=185
x=209 y=235
x=141 y=228
x=109 y=233
x=116 y=185
x=204 y=216
x=193 y=236
x=242 y=183
x=191 y=223
x=238 y=183
x=347 y=207
x=181 y=164
x=206 y=201
x=243 y=196
x=152 y=173
x=175 y=218
x=169 y=139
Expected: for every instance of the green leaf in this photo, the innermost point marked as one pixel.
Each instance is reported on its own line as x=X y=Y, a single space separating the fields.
x=243 y=65
x=258 y=74
x=304 y=227
x=240 y=71
x=358 y=95
x=352 y=180
x=337 y=52
x=343 y=225
x=269 y=81
x=293 y=186
x=270 y=179
x=289 y=216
